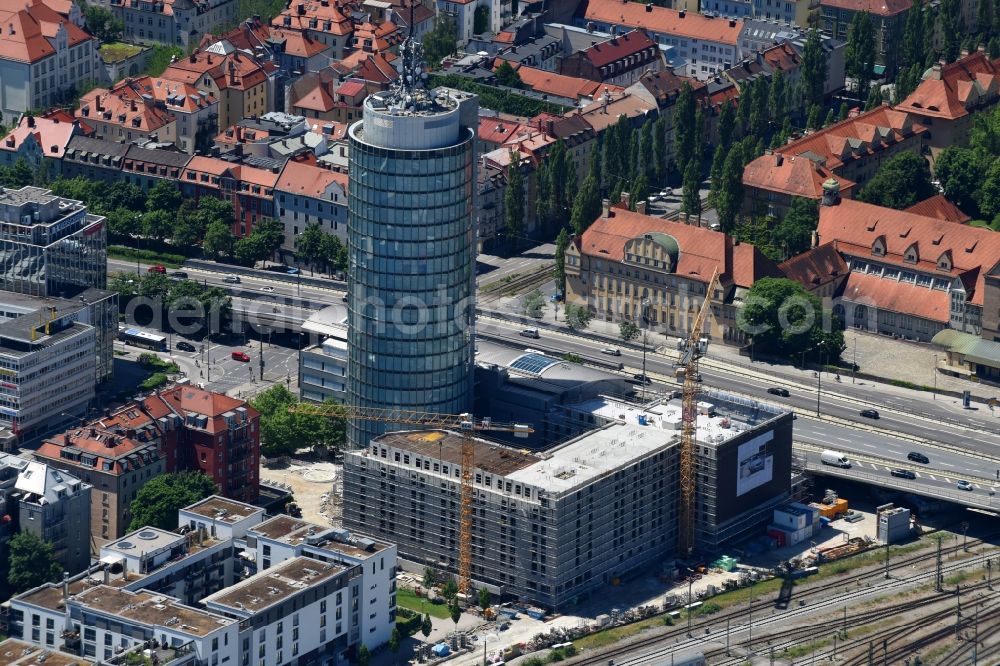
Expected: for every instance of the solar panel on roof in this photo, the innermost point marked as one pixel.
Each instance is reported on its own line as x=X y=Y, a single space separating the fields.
x=533 y=363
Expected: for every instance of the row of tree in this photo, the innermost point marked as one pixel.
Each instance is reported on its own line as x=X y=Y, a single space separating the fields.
x=970 y=176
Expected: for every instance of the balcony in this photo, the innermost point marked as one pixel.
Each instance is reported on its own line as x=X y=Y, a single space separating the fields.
x=179 y=656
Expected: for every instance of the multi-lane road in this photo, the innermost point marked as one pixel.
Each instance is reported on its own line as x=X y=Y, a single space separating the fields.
x=960 y=444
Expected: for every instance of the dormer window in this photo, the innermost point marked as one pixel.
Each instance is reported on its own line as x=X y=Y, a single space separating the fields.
x=878 y=247
x=944 y=261
x=911 y=256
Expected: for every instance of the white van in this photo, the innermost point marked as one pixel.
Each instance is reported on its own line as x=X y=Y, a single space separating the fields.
x=835 y=458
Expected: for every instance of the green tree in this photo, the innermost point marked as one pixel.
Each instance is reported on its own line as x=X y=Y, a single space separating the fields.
x=481 y=20
x=646 y=165
x=989 y=197
x=440 y=41
x=533 y=303
x=949 y=16
x=860 y=54
x=902 y=181
x=691 y=198
x=507 y=75
x=831 y=118
x=814 y=68
x=758 y=109
x=164 y=196
x=911 y=51
x=17 y=176
x=994 y=47
x=430 y=577
x=158 y=224
x=628 y=330
x=157 y=502
x=961 y=173
x=842 y=114
x=283 y=431
x=640 y=191
x=102 y=24
x=219 y=240
x=786 y=320
x=513 y=201
x=875 y=98
x=455 y=612
x=729 y=198
x=335 y=252
x=715 y=173
x=562 y=243
x=586 y=206
x=364 y=656
x=450 y=590
x=188 y=227
x=31 y=562
x=124 y=224
x=118 y=194
x=309 y=245
x=812 y=122
x=685 y=130
x=727 y=124
x=394 y=642
x=660 y=150
x=426 y=626
x=793 y=233
x=577 y=317
x=484 y=598
x=778 y=96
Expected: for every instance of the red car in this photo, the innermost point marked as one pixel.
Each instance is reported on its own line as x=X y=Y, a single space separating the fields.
x=156 y=269
x=241 y=356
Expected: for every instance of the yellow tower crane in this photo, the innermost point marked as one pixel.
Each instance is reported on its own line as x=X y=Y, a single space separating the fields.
x=464 y=423
x=691 y=351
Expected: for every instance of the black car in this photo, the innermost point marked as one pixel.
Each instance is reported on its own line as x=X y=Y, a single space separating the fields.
x=185 y=346
x=776 y=390
x=640 y=379
x=903 y=473
x=869 y=413
x=918 y=457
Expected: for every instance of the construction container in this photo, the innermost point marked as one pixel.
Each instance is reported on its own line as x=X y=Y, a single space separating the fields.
x=893 y=524
x=778 y=536
x=831 y=511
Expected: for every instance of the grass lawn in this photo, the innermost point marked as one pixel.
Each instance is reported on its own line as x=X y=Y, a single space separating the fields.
x=118 y=51
x=169 y=260
x=406 y=598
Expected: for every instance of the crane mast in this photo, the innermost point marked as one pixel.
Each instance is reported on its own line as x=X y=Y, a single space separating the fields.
x=692 y=350
x=465 y=423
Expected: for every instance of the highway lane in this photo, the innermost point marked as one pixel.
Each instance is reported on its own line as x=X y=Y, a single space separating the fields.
x=915 y=424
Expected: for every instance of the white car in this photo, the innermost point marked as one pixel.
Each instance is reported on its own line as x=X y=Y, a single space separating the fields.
x=611 y=351
x=267 y=289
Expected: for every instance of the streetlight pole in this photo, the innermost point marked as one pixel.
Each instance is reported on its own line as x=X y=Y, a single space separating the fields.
x=819 y=383
x=935 y=375
x=854 y=364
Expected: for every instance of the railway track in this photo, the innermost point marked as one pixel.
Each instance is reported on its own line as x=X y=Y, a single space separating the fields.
x=677 y=639
x=519 y=284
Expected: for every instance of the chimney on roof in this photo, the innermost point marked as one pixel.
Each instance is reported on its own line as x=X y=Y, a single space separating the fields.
x=626 y=199
x=605 y=208
x=779 y=159
x=732 y=23
x=964 y=53
x=31 y=120
x=640 y=207
x=193 y=58
x=649 y=7
x=302 y=9
x=936 y=70
x=10 y=29
x=681 y=13
x=814 y=239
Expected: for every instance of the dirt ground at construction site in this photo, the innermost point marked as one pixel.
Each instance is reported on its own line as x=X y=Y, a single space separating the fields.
x=315 y=484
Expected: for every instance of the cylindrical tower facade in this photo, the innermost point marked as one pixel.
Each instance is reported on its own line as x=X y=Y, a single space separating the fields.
x=411 y=279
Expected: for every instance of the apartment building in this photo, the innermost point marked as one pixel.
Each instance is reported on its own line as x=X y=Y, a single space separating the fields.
x=323 y=366
x=55 y=506
x=633 y=267
x=137 y=108
x=950 y=96
x=619 y=61
x=323 y=21
x=197 y=597
x=44 y=59
x=40 y=141
x=708 y=44
x=115 y=465
x=249 y=189
x=307 y=194
x=242 y=84
x=210 y=433
x=172 y=22
x=888 y=17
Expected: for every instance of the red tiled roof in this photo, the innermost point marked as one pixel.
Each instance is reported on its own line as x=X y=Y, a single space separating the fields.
x=236 y=70
x=662 y=20
x=939 y=208
x=308 y=179
x=600 y=117
x=945 y=92
x=497 y=130
x=52 y=134
x=901 y=297
x=616 y=48
x=298 y=14
x=106 y=445
x=816 y=267
x=185 y=400
x=351 y=88
x=877 y=7
x=560 y=85
x=782 y=57
x=855 y=226
x=855 y=136
x=377 y=68
x=701 y=250
x=793 y=175
x=125 y=106
x=22 y=39
x=317 y=99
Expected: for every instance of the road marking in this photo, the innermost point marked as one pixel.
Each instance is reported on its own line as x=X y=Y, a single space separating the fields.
x=944 y=464
x=917 y=474
x=932 y=476
x=898 y=453
x=948 y=480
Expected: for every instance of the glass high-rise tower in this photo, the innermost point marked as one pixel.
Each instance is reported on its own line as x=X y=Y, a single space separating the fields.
x=411 y=239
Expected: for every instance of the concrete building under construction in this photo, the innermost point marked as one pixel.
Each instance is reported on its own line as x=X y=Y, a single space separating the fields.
x=551 y=526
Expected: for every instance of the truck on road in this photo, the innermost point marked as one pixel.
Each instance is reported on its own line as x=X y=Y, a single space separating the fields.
x=835 y=458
